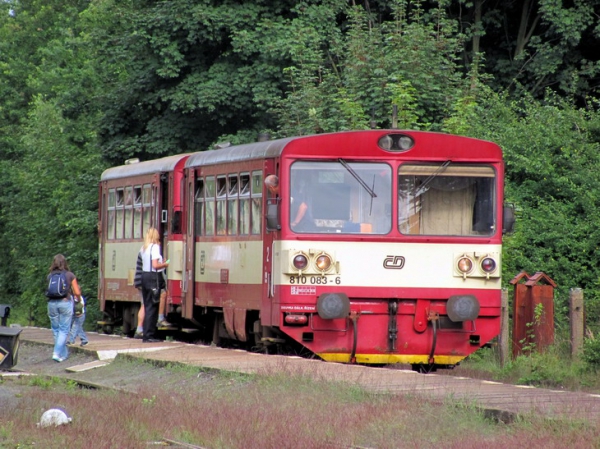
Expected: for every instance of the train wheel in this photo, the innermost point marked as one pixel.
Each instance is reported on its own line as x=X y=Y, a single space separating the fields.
x=130 y=316
x=216 y=336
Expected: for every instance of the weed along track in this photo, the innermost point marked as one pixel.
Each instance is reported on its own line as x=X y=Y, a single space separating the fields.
x=116 y=362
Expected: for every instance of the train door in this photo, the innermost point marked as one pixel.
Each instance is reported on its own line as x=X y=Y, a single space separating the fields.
x=101 y=239
x=269 y=310
x=164 y=208
x=188 y=281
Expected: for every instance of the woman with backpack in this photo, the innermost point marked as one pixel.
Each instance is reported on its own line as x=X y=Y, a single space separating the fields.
x=153 y=282
x=62 y=283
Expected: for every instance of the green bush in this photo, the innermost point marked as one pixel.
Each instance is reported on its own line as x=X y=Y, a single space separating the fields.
x=591 y=353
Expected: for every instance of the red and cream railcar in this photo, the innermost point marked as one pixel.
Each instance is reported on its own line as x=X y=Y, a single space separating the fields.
x=134 y=197
x=380 y=246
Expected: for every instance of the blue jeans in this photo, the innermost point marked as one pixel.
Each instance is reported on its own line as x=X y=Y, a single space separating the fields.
x=60 y=312
x=77 y=329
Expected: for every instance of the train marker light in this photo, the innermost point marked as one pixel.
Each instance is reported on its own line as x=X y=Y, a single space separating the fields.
x=323 y=262
x=300 y=262
x=464 y=265
x=488 y=264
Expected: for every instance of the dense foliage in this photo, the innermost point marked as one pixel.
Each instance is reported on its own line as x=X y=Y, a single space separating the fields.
x=87 y=84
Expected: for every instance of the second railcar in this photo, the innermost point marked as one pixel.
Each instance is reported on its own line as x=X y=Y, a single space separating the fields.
x=134 y=197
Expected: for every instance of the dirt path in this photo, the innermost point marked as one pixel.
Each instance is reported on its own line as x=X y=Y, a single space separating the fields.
x=122 y=374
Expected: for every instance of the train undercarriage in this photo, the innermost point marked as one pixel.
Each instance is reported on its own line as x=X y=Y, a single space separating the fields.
x=208 y=327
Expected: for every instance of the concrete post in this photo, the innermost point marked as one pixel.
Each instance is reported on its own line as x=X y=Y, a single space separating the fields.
x=577 y=321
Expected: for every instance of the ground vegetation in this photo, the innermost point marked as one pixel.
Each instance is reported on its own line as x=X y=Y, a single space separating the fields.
x=142 y=404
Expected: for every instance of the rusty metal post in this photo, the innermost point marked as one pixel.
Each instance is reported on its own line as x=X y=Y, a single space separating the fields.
x=542 y=296
x=533 y=313
x=576 y=319
x=521 y=314
x=504 y=342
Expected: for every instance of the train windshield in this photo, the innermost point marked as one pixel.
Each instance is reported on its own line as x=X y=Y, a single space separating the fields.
x=341 y=197
x=446 y=199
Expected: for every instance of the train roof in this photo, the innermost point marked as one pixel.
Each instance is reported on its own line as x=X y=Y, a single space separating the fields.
x=428 y=145
x=162 y=165
x=274 y=148
x=245 y=152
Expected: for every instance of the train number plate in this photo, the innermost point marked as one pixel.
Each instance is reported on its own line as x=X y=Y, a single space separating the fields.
x=315 y=280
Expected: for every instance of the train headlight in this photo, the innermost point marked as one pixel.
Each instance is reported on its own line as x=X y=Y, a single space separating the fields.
x=464 y=265
x=488 y=265
x=323 y=262
x=300 y=262
x=396 y=142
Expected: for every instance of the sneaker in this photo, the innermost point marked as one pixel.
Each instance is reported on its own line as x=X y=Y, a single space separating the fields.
x=83 y=343
x=58 y=359
x=138 y=335
x=164 y=323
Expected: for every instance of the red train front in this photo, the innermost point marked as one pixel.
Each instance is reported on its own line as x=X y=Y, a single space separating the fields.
x=378 y=247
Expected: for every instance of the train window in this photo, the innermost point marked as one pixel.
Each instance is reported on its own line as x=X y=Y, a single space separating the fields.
x=147 y=203
x=120 y=197
x=120 y=214
x=341 y=197
x=137 y=196
x=209 y=195
x=232 y=204
x=244 y=184
x=221 y=214
x=221 y=187
x=256 y=194
x=446 y=199
x=232 y=182
x=137 y=212
x=128 y=212
x=199 y=208
x=244 y=204
x=110 y=219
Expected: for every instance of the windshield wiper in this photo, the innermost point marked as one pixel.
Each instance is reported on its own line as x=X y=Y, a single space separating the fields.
x=431 y=177
x=358 y=178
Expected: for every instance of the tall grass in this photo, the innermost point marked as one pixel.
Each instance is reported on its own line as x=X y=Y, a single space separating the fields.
x=271 y=410
x=553 y=368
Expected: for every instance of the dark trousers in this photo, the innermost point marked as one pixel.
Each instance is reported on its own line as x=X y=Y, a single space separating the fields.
x=151 y=308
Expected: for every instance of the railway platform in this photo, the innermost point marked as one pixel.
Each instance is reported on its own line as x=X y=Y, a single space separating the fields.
x=498 y=400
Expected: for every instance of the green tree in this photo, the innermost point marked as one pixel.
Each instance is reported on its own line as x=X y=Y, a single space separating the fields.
x=195 y=70
x=48 y=160
x=354 y=82
x=532 y=45
x=55 y=210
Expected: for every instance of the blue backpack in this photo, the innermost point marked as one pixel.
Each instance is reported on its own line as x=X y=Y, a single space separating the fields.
x=57 y=285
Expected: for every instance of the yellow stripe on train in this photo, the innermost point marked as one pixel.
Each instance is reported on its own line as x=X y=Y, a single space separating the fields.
x=388 y=359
